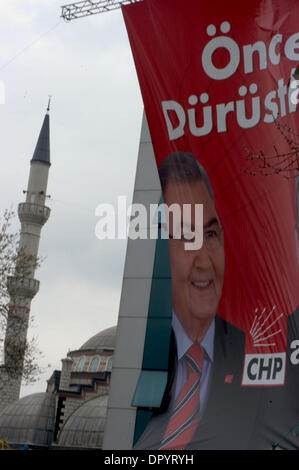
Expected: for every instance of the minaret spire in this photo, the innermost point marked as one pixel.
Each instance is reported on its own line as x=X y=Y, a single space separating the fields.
x=49 y=102
x=42 y=149
x=33 y=214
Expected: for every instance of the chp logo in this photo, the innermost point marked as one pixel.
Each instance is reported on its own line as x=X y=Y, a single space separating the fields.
x=265 y=368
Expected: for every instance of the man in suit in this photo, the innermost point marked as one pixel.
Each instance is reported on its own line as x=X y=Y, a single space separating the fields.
x=230 y=416
x=220 y=420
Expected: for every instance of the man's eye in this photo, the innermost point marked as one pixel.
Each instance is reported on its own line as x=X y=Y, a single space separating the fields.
x=211 y=234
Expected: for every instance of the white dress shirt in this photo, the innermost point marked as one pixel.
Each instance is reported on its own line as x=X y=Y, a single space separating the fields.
x=183 y=343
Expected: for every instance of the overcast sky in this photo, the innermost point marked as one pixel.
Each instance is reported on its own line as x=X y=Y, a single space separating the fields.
x=95 y=120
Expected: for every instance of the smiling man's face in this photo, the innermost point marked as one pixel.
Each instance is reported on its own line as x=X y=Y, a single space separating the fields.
x=197 y=275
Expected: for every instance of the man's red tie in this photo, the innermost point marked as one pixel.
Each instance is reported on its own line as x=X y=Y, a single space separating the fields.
x=183 y=422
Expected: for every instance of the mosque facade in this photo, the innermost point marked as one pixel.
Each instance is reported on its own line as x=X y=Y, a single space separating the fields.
x=71 y=413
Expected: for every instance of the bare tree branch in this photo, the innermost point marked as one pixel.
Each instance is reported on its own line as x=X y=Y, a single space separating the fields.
x=284 y=163
x=16 y=265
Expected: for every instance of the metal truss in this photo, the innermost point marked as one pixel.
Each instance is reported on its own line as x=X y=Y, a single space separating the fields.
x=89 y=7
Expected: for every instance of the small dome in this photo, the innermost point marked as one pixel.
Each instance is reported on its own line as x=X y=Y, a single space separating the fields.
x=85 y=427
x=29 y=420
x=103 y=340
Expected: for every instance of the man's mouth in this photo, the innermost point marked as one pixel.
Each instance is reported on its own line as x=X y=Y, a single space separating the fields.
x=202 y=284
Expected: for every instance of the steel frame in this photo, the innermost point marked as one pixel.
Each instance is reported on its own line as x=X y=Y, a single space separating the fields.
x=76 y=10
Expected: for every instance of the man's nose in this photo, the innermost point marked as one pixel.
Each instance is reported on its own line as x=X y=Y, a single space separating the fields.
x=202 y=258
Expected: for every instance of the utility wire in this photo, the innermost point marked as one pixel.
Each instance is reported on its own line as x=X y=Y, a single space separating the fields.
x=30 y=45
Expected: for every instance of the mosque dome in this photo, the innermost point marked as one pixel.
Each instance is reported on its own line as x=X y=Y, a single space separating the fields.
x=85 y=427
x=29 y=420
x=72 y=413
x=105 y=339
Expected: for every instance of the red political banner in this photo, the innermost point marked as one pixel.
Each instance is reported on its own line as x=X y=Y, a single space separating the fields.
x=217 y=80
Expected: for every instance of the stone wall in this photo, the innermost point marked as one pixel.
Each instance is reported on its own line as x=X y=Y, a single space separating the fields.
x=9 y=388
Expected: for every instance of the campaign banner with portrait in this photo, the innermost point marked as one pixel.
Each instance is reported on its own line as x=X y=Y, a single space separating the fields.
x=217 y=80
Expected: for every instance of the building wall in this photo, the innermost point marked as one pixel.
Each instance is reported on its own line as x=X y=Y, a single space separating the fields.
x=133 y=312
x=71 y=404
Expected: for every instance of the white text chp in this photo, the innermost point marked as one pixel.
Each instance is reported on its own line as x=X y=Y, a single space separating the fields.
x=268 y=369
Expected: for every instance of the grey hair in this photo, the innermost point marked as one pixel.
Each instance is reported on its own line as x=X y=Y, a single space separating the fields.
x=183 y=167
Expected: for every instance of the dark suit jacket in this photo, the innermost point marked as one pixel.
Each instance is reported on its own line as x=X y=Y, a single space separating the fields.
x=235 y=416
x=221 y=424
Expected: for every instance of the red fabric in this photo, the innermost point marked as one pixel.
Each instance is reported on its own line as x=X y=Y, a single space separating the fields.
x=168 y=39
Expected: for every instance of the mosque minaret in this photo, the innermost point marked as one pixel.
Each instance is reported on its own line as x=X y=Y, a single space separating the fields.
x=33 y=213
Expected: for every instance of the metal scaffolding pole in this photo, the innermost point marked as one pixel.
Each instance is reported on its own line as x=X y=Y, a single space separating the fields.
x=76 y=10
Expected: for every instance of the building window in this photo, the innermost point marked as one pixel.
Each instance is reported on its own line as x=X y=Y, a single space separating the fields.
x=109 y=364
x=94 y=364
x=80 y=364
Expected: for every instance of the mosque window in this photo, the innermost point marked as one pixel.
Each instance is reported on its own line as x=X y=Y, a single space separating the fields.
x=94 y=364
x=109 y=364
x=80 y=364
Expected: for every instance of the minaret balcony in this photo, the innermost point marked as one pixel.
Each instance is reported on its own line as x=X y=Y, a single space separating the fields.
x=22 y=286
x=31 y=212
